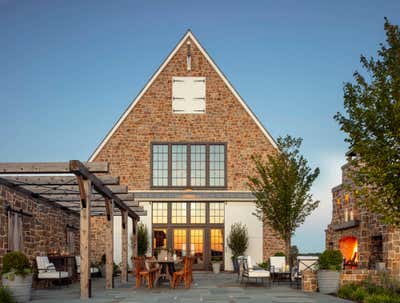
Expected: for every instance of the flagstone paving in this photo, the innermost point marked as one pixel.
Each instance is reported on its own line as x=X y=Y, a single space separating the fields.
x=207 y=288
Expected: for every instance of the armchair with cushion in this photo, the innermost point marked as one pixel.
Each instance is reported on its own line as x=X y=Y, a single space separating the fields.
x=250 y=272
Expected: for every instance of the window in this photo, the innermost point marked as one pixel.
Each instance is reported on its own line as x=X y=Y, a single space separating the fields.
x=217 y=243
x=217 y=165
x=179 y=172
x=197 y=213
x=217 y=213
x=198 y=165
x=15 y=231
x=160 y=213
x=160 y=165
x=188 y=165
x=159 y=238
x=188 y=95
x=178 y=215
x=180 y=242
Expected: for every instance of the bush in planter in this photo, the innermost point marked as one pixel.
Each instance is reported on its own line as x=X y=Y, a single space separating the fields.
x=17 y=275
x=216 y=262
x=6 y=296
x=280 y=254
x=142 y=239
x=238 y=241
x=330 y=262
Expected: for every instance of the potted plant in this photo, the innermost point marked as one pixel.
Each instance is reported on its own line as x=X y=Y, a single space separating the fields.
x=17 y=275
x=216 y=263
x=142 y=239
x=330 y=264
x=238 y=241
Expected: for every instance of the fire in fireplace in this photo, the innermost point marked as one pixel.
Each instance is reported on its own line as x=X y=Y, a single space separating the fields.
x=349 y=248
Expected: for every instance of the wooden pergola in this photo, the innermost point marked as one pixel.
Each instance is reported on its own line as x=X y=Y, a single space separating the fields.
x=74 y=185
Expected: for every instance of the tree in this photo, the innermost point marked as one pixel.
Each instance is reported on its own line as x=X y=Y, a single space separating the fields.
x=282 y=188
x=142 y=239
x=372 y=126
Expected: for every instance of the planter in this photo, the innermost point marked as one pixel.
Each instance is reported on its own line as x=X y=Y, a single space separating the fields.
x=328 y=281
x=235 y=264
x=20 y=287
x=216 y=266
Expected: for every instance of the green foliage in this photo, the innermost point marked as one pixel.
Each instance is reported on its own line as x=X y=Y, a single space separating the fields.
x=372 y=123
x=331 y=259
x=280 y=254
x=216 y=259
x=382 y=298
x=6 y=296
x=264 y=265
x=142 y=239
x=15 y=263
x=238 y=239
x=347 y=291
x=282 y=188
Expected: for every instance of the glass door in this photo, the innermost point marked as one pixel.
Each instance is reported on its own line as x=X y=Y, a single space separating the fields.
x=197 y=248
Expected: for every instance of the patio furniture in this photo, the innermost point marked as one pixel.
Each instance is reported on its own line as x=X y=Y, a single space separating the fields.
x=240 y=260
x=185 y=275
x=278 y=269
x=47 y=271
x=94 y=271
x=141 y=272
x=250 y=273
x=166 y=268
x=303 y=263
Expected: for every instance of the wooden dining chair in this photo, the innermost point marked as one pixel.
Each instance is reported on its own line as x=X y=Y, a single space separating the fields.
x=142 y=273
x=184 y=275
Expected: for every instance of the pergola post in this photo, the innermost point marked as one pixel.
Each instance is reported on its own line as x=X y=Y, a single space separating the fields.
x=134 y=237
x=109 y=243
x=124 y=266
x=85 y=192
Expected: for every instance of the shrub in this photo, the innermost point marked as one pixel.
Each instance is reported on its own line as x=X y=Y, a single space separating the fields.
x=238 y=239
x=142 y=239
x=382 y=298
x=6 y=296
x=264 y=265
x=331 y=259
x=359 y=294
x=347 y=291
x=280 y=254
x=16 y=263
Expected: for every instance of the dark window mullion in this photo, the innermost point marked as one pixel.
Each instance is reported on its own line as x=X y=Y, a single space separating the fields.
x=169 y=164
x=188 y=166
x=207 y=165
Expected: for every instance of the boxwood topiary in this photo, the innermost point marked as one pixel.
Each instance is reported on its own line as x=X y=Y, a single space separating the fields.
x=16 y=263
x=331 y=259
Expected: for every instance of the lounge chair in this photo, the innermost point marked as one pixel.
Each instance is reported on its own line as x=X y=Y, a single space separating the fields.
x=303 y=263
x=47 y=271
x=250 y=273
x=93 y=270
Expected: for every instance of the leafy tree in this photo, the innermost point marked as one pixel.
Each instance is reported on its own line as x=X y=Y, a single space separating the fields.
x=372 y=125
x=282 y=188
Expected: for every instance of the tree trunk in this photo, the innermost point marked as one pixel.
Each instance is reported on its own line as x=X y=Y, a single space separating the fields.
x=287 y=248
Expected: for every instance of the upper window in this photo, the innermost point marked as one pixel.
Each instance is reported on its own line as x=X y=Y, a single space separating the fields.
x=188 y=165
x=188 y=95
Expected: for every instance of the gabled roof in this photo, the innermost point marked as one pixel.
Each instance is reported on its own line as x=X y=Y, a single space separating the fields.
x=190 y=35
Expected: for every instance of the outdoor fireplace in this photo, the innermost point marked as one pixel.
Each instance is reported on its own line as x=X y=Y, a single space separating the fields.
x=349 y=248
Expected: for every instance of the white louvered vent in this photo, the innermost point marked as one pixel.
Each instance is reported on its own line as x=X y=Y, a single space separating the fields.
x=188 y=95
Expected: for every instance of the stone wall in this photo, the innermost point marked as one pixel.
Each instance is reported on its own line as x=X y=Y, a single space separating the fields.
x=309 y=281
x=97 y=238
x=272 y=242
x=356 y=221
x=44 y=231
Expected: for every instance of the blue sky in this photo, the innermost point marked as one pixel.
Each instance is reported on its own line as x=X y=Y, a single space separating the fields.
x=70 y=68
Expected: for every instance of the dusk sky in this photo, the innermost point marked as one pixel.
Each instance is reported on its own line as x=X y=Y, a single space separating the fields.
x=69 y=69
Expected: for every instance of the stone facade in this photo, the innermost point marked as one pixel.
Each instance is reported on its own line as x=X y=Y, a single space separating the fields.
x=97 y=238
x=272 y=242
x=226 y=120
x=376 y=241
x=45 y=231
x=309 y=281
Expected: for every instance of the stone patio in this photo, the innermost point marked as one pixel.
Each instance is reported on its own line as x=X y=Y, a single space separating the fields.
x=207 y=287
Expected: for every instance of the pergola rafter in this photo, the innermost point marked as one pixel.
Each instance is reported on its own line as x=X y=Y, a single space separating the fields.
x=76 y=188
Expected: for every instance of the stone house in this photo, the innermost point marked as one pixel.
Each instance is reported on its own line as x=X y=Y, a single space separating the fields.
x=184 y=148
x=358 y=233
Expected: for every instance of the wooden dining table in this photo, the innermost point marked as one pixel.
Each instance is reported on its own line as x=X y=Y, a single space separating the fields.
x=167 y=268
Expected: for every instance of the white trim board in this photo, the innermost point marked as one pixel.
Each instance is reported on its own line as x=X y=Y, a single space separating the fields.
x=155 y=75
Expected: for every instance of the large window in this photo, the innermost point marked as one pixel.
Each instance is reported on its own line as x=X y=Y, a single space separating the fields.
x=189 y=165
x=160 y=213
x=178 y=213
x=217 y=213
x=197 y=213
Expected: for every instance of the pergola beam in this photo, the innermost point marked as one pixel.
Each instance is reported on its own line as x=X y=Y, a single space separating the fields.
x=49 y=167
x=69 y=189
x=95 y=197
x=79 y=169
x=56 y=180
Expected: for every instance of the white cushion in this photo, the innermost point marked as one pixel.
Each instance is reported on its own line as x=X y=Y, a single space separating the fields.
x=249 y=264
x=259 y=273
x=94 y=270
x=44 y=263
x=53 y=274
x=278 y=263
